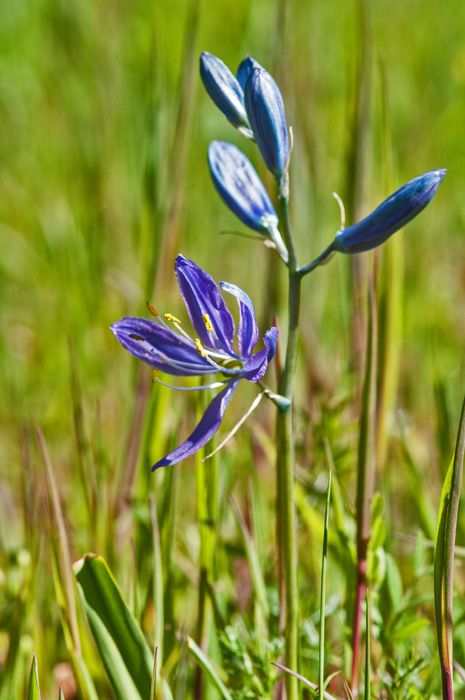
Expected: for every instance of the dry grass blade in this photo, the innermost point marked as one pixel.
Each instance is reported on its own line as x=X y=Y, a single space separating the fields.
x=304 y=680
x=59 y=533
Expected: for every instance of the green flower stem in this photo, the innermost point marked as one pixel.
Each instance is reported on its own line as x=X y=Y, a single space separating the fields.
x=285 y=462
x=322 y=259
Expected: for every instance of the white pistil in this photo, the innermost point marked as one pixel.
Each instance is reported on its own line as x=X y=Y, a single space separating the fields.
x=237 y=426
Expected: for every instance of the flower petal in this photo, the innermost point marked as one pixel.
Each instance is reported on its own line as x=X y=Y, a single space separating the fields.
x=247 y=332
x=208 y=426
x=239 y=186
x=160 y=348
x=265 y=109
x=256 y=367
x=202 y=296
x=224 y=89
x=396 y=211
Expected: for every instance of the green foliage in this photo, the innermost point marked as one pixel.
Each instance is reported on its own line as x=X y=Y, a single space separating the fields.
x=120 y=643
x=250 y=672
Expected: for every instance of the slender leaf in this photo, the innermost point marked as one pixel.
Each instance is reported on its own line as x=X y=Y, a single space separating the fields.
x=121 y=645
x=33 y=692
x=205 y=664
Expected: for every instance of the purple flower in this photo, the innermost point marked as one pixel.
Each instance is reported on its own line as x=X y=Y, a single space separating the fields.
x=396 y=211
x=225 y=91
x=168 y=348
x=265 y=109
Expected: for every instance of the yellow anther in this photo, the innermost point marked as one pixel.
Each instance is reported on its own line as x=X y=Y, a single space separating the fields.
x=154 y=375
x=170 y=317
x=136 y=337
x=152 y=309
x=208 y=323
x=199 y=347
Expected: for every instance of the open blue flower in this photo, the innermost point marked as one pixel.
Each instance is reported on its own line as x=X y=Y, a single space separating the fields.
x=168 y=348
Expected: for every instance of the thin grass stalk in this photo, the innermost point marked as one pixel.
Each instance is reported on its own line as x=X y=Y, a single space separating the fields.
x=356 y=175
x=321 y=661
x=207 y=505
x=444 y=561
x=391 y=297
x=180 y=147
x=365 y=479
x=85 y=471
x=61 y=539
x=168 y=539
x=286 y=461
x=157 y=581
x=169 y=235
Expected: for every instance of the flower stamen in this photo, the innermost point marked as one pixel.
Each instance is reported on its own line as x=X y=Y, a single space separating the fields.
x=173 y=319
x=152 y=309
x=208 y=324
x=199 y=347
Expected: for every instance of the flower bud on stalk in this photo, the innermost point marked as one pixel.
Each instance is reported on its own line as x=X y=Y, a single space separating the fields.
x=245 y=69
x=265 y=110
x=225 y=91
x=392 y=215
x=243 y=192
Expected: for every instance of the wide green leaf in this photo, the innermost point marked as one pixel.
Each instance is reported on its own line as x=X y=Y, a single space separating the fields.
x=120 y=642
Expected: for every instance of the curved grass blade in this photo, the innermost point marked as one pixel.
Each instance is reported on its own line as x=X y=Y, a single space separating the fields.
x=444 y=559
x=121 y=645
x=207 y=667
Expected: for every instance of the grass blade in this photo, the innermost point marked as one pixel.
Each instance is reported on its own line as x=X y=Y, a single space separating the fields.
x=33 y=692
x=321 y=664
x=121 y=645
x=206 y=666
x=444 y=559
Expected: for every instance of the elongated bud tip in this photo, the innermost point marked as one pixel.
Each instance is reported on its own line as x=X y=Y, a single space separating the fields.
x=245 y=69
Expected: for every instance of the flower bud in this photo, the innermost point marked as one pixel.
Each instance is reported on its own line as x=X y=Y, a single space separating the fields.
x=265 y=110
x=241 y=189
x=245 y=69
x=224 y=89
x=396 y=211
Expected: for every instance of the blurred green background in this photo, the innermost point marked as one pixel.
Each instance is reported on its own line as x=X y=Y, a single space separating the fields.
x=103 y=180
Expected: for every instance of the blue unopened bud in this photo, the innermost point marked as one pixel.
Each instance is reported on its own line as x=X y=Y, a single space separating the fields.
x=265 y=109
x=225 y=91
x=241 y=189
x=245 y=69
x=396 y=211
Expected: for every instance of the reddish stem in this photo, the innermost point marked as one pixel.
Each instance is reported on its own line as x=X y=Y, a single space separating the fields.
x=357 y=631
x=447 y=687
